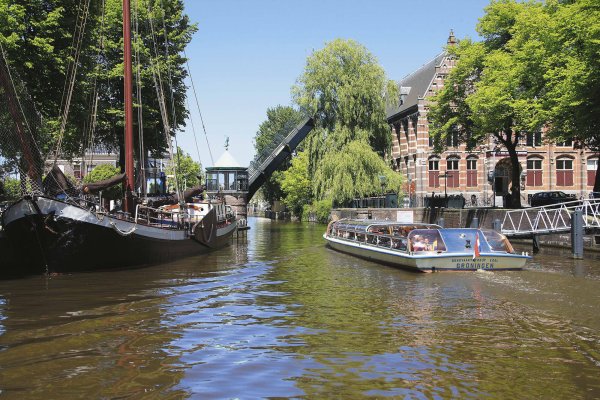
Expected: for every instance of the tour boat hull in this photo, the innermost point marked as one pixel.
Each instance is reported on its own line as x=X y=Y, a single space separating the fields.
x=53 y=236
x=432 y=263
x=424 y=248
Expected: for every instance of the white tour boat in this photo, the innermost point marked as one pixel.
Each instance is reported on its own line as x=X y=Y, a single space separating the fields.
x=424 y=247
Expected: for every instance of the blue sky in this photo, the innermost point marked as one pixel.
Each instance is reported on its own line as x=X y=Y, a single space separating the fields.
x=246 y=55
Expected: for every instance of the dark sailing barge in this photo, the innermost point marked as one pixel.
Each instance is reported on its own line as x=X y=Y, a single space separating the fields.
x=56 y=228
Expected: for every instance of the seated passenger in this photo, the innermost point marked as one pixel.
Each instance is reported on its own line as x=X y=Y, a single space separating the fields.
x=418 y=244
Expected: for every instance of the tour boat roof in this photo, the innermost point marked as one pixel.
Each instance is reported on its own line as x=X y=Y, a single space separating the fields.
x=365 y=224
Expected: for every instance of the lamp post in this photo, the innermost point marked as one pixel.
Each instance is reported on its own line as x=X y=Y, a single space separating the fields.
x=445 y=176
x=382 y=182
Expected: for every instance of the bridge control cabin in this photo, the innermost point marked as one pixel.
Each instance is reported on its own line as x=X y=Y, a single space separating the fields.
x=228 y=180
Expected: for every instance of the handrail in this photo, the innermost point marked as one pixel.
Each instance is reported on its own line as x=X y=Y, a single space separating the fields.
x=550 y=219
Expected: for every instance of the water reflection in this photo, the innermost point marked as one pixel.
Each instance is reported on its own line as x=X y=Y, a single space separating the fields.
x=281 y=315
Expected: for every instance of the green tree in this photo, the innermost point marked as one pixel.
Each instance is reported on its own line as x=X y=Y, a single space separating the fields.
x=497 y=84
x=185 y=169
x=572 y=37
x=295 y=184
x=38 y=37
x=12 y=188
x=345 y=89
x=103 y=172
x=163 y=33
x=280 y=121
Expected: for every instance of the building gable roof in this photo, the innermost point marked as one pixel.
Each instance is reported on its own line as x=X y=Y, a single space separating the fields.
x=415 y=86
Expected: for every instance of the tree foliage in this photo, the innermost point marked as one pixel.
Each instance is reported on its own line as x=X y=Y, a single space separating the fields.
x=296 y=185
x=103 y=172
x=185 y=169
x=496 y=86
x=345 y=89
x=572 y=99
x=353 y=172
x=38 y=37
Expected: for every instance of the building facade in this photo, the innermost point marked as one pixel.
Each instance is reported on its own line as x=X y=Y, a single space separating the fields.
x=481 y=175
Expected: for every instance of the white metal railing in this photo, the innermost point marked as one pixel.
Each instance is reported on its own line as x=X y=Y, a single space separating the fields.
x=550 y=219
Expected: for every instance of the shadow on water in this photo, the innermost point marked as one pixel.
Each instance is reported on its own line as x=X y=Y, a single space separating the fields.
x=282 y=315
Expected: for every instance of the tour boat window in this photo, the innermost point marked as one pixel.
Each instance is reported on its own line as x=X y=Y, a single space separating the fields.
x=426 y=240
x=497 y=241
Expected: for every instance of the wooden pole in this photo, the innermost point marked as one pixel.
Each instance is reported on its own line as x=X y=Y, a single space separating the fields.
x=128 y=99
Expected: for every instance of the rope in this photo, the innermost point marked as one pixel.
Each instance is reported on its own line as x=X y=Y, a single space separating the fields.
x=187 y=102
x=161 y=99
x=212 y=160
x=138 y=82
x=120 y=232
x=71 y=79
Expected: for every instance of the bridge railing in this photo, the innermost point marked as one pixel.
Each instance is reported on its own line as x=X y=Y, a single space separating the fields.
x=550 y=219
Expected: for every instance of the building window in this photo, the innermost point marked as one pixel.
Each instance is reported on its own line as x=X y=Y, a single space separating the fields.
x=452 y=139
x=566 y=143
x=534 y=139
x=471 y=172
x=434 y=172
x=452 y=172
x=564 y=172
x=592 y=167
x=77 y=170
x=534 y=172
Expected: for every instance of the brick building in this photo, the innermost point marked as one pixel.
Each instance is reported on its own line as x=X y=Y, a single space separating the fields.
x=483 y=174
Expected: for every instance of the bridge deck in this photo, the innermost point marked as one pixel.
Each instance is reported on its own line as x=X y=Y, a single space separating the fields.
x=550 y=219
x=259 y=175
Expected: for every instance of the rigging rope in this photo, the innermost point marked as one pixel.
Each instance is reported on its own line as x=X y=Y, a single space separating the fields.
x=71 y=78
x=198 y=106
x=156 y=76
x=89 y=138
x=138 y=83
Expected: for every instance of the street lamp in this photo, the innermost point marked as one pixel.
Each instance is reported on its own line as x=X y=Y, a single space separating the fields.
x=445 y=176
x=382 y=182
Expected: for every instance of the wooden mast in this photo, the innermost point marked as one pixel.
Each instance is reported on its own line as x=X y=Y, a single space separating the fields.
x=128 y=99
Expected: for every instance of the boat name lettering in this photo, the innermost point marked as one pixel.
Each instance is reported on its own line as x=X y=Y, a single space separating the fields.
x=468 y=263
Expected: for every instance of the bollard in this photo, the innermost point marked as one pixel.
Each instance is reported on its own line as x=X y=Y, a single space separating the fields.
x=497 y=225
x=475 y=222
x=536 y=244
x=441 y=222
x=577 y=234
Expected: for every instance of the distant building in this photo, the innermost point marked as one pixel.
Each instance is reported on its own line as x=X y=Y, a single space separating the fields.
x=81 y=166
x=482 y=173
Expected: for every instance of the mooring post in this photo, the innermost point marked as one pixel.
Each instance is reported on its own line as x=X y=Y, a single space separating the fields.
x=577 y=233
x=475 y=222
x=441 y=222
x=497 y=225
x=536 y=244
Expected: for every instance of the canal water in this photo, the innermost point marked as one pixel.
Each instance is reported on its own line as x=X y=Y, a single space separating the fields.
x=280 y=315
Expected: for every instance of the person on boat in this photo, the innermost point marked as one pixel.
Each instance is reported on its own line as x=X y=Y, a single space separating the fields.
x=418 y=244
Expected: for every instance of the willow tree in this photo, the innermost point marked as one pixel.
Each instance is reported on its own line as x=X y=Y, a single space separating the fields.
x=496 y=86
x=345 y=89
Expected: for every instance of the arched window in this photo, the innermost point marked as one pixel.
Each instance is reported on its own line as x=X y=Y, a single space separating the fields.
x=564 y=171
x=434 y=172
x=472 y=171
x=452 y=178
x=592 y=167
x=534 y=171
